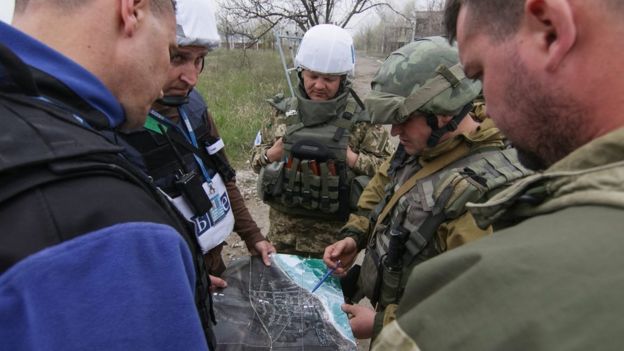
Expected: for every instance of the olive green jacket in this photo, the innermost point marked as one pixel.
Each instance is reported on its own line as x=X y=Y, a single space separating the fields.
x=451 y=233
x=553 y=281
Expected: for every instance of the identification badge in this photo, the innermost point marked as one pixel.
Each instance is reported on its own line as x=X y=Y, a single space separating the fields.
x=215 y=147
x=213 y=227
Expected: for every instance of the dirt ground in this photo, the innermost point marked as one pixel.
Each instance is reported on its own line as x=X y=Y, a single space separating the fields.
x=365 y=69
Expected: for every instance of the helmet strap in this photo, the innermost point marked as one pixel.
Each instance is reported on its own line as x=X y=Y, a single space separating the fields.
x=438 y=132
x=174 y=100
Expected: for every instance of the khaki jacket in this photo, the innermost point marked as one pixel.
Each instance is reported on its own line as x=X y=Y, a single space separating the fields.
x=550 y=281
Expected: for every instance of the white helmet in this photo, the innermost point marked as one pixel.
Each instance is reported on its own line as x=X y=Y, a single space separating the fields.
x=196 y=24
x=327 y=49
x=6 y=10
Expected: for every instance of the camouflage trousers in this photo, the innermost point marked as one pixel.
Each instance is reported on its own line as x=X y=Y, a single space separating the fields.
x=307 y=237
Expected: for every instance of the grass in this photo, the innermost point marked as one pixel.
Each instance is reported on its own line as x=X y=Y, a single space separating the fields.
x=235 y=85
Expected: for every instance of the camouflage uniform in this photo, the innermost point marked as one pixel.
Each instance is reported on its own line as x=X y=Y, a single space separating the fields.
x=417 y=202
x=309 y=236
x=411 y=211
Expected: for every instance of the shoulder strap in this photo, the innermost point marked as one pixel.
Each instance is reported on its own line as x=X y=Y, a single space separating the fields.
x=429 y=169
x=480 y=178
x=345 y=120
x=215 y=161
x=357 y=99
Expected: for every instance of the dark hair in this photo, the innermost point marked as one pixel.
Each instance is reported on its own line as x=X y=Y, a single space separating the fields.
x=498 y=18
x=163 y=6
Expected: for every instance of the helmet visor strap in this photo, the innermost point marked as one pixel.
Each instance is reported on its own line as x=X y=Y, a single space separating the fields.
x=437 y=133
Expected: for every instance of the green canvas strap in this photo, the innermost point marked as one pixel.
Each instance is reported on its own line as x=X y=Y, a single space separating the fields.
x=345 y=120
x=306 y=180
x=446 y=78
x=428 y=169
x=324 y=185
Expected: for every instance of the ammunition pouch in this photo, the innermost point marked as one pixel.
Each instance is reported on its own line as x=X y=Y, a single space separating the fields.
x=270 y=181
x=370 y=278
x=310 y=183
x=350 y=290
x=383 y=270
x=390 y=288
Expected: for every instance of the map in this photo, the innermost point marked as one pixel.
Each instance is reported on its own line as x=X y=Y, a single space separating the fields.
x=271 y=308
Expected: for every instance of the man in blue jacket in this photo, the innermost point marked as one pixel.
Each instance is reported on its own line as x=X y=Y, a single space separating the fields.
x=91 y=257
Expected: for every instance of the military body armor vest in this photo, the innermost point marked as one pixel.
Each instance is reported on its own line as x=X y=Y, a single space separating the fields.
x=313 y=179
x=192 y=176
x=406 y=237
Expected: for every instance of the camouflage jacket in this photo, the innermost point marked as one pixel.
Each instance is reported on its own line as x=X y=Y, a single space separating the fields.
x=540 y=282
x=422 y=201
x=451 y=234
x=310 y=236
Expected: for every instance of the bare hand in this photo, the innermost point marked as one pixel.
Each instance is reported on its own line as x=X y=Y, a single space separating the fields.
x=276 y=152
x=361 y=319
x=217 y=283
x=264 y=249
x=352 y=157
x=344 y=251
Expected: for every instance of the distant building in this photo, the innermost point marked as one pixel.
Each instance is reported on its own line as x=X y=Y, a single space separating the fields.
x=428 y=23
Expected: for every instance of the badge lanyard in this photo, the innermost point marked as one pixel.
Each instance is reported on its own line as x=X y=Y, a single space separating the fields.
x=188 y=133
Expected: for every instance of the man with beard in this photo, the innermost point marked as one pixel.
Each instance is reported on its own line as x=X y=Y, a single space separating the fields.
x=550 y=276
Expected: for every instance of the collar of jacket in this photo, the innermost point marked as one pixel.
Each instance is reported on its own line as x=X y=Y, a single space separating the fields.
x=486 y=135
x=317 y=112
x=591 y=175
x=58 y=77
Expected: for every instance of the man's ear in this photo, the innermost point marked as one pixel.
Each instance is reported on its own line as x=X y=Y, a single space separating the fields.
x=554 y=29
x=131 y=12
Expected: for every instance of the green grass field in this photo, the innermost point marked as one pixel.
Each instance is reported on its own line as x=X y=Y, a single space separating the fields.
x=235 y=85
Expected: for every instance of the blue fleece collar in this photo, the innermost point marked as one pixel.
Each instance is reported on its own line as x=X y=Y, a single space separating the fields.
x=74 y=76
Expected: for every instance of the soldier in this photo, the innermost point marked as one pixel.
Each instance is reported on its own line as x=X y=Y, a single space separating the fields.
x=180 y=144
x=319 y=149
x=417 y=200
x=551 y=277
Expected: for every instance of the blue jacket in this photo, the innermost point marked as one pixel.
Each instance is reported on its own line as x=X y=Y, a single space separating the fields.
x=90 y=257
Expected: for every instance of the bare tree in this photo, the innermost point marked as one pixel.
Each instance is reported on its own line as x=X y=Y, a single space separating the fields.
x=302 y=13
x=397 y=28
